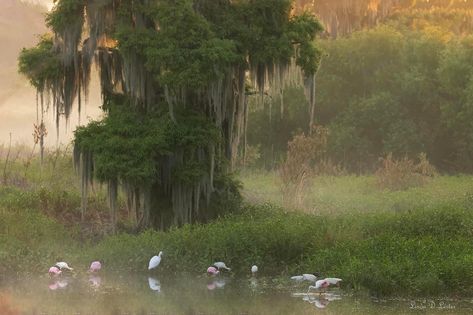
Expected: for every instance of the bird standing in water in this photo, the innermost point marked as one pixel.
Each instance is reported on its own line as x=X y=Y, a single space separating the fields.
x=155 y=261
x=254 y=270
x=54 y=271
x=324 y=283
x=95 y=266
x=212 y=271
x=63 y=265
x=221 y=265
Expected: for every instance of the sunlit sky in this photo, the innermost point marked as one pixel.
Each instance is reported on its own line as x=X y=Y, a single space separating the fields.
x=19 y=28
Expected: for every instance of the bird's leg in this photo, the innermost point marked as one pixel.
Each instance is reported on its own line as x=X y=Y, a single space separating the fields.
x=310 y=287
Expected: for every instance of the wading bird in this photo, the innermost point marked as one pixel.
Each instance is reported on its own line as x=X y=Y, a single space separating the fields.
x=324 y=283
x=155 y=261
x=63 y=265
x=254 y=269
x=212 y=271
x=95 y=266
x=54 y=271
x=221 y=265
x=312 y=277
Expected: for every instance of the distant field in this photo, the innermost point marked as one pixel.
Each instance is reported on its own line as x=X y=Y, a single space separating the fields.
x=336 y=195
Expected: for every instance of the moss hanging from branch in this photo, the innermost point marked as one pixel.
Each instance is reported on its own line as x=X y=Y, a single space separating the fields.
x=174 y=77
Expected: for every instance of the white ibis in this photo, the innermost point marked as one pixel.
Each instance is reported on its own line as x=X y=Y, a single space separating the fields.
x=221 y=265
x=324 y=283
x=312 y=277
x=63 y=265
x=155 y=261
x=254 y=269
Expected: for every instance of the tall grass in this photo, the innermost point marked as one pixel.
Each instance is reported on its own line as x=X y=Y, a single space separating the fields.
x=361 y=194
x=420 y=252
x=415 y=241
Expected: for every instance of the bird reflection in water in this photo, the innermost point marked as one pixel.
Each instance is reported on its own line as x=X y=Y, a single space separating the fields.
x=58 y=284
x=95 y=281
x=218 y=283
x=321 y=300
x=154 y=284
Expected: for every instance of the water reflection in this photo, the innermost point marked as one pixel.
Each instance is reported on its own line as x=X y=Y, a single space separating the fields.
x=95 y=282
x=253 y=283
x=57 y=284
x=154 y=284
x=322 y=300
x=118 y=293
x=216 y=283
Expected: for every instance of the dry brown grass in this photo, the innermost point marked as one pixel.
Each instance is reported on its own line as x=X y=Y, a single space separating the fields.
x=404 y=173
x=303 y=153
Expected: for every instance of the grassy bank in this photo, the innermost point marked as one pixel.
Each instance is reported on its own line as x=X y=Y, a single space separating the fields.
x=417 y=241
x=361 y=194
x=423 y=251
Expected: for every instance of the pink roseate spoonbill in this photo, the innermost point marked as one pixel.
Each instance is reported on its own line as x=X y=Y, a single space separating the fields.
x=221 y=265
x=212 y=271
x=324 y=283
x=312 y=277
x=54 y=271
x=95 y=266
x=254 y=270
x=155 y=261
x=63 y=266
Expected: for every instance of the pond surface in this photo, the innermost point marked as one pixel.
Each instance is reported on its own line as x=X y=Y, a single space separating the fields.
x=127 y=294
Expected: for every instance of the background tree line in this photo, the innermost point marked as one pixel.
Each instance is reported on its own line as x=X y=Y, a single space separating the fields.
x=405 y=87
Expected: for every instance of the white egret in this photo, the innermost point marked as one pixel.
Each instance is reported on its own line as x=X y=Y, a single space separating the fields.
x=254 y=269
x=155 y=261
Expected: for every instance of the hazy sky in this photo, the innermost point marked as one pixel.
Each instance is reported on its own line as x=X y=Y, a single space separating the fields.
x=19 y=27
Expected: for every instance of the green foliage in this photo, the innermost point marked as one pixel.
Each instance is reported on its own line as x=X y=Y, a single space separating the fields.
x=40 y=64
x=216 y=39
x=271 y=129
x=385 y=90
x=189 y=59
x=128 y=146
x=64 y=13
x=402 y=253
x=29 y=240
x=420 y=248
x=361 y=194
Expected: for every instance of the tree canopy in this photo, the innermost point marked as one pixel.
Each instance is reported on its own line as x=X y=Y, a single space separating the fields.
x=175 y=77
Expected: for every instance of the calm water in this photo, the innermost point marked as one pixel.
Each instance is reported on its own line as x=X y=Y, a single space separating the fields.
x=126 y=294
